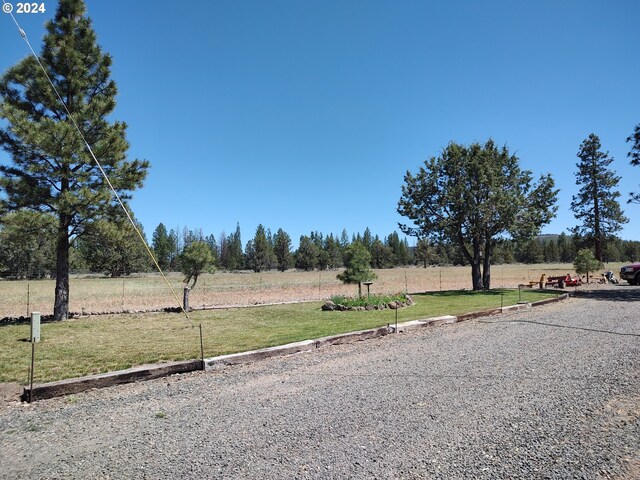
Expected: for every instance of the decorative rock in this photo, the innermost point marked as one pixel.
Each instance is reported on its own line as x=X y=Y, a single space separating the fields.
x=370 y=307
x=329 y=306
x=392 y=305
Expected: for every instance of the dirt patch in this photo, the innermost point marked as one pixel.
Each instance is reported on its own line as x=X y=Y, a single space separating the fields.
x=9 y=393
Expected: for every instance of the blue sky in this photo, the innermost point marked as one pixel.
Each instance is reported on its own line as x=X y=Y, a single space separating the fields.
x=305 y=115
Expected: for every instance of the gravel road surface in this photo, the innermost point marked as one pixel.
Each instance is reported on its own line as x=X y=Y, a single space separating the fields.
x=549 y=393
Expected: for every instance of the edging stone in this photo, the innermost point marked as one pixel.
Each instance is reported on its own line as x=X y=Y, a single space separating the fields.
x=141 y=372
x=253 y=355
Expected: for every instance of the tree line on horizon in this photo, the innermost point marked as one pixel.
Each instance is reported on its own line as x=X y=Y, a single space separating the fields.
x=27 y=249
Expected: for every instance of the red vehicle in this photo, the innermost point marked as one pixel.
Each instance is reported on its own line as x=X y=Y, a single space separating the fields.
x=631 y=273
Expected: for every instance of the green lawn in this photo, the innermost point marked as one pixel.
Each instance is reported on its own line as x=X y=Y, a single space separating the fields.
x=104 y=343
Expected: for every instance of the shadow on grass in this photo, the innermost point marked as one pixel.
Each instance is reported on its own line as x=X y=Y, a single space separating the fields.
x=492 y=292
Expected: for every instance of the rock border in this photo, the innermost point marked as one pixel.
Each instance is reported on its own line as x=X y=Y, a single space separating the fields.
x=330 y=306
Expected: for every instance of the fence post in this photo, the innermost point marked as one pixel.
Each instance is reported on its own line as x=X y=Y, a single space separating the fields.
x=35 y=337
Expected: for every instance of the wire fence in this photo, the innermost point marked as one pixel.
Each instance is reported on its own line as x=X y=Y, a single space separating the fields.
x=91 y=295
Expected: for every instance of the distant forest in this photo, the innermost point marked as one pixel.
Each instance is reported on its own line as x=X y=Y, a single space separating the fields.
x=27 y=249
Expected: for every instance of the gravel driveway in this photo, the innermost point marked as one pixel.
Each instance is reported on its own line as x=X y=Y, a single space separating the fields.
x=549 y=393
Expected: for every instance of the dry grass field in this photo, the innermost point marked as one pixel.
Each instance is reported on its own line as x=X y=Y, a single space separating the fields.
x=91 y=294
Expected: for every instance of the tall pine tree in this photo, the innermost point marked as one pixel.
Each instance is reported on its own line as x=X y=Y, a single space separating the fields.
x=52 y=171
x=596 y=206
x=259 y=252
x=634 y=155
x=282 y=248
x=163 y=246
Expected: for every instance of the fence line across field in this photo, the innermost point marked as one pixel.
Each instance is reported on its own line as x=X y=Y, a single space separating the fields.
x=103 y=294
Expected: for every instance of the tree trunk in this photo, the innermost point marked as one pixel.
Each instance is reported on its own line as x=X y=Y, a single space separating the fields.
x=596 y=225
x=486 y=270
x=185 y=299
x=359 y=289
x=599 y=248
x=476 y=271
x=476 y=274
x=61 y=302
x=486 y=273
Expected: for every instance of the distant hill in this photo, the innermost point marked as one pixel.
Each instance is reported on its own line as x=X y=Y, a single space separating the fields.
x=548 y=236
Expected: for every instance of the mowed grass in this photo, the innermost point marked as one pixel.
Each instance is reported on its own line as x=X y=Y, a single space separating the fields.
x=100 y=344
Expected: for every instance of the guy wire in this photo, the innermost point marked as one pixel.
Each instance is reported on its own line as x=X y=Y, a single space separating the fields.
x=104 y=174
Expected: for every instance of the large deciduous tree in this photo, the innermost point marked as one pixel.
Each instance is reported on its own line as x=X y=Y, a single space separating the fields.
x=634 y=155
x=596 y=206
x=473 y=196
x=52 y=170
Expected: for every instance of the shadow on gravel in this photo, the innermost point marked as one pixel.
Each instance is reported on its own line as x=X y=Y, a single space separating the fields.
x=621 y=293
x=579 y=328
x=570 y=327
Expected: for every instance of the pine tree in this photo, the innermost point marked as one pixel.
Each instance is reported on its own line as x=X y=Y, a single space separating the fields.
x=585 y=262
x=307 y=254
x=52 y=170
x=344 y=239
x=333 y=251
x=196 y=259
x=381 y=255
x=566 y=249
x=596 y=206
x=27 y=249
x=234 y=254
x=367 y=239
x=113 y=248
x=634 y=155
x=175 y=243
x=423 y=251
x=162 y=245
x=357 y=262
x=258 y=251
x=213 y=245
x=282 y=250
